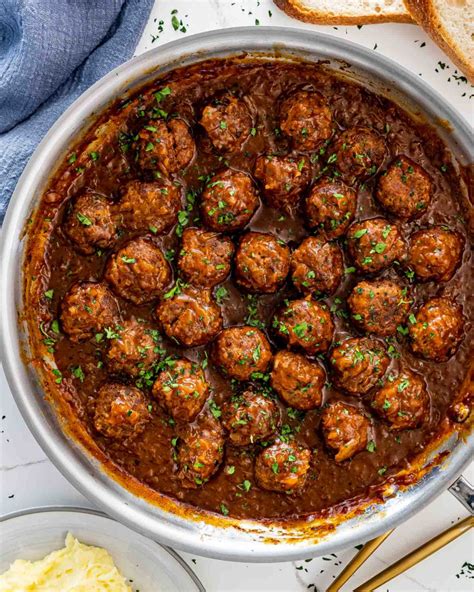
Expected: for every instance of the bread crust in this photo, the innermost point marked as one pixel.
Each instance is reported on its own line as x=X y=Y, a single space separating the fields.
x=425 y=14
x=293 y=9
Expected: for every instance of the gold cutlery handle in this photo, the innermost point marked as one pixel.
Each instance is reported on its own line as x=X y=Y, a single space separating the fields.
x=357 y=561
x=417 y=555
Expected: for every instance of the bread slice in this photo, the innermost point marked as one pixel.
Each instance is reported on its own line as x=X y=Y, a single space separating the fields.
x=450 y=23
x=348 y=12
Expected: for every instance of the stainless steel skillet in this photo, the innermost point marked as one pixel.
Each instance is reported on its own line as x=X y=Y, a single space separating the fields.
x=244 y=540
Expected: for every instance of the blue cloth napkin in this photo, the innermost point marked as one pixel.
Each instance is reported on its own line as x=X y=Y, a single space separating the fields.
x=51 y=51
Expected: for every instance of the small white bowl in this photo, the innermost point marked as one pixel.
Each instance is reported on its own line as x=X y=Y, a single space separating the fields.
x=146 y=565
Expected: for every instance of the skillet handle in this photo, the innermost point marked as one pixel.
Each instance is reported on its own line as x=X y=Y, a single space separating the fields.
x=464 y=492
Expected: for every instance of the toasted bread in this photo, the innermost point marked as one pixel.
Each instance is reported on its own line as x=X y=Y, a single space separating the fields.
x=350 y=12
x=450 y=23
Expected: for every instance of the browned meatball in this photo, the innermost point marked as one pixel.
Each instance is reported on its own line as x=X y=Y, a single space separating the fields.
x=345 y=429
x=358 y=153
x=298 y=381
x=89 y=223
x=190 y=317
x=403 y=401
x=241 y=351
x=283 y=178
x=138 y=271
x=305 y=324
x=165 y=146
x=378 y=306
x=88 y=308
x=404 y=189
x=200 y=451
x=358 y=364
x=229 y=201
x=121 y=411
x=205 y=257
x=437 y=330
x=375 y=244
x=317 y=266
x=227 y=122
x=249 y=418
x=330 y=208
x=132 y=351
x=262 y=263
x=435 y=253
x=305 y=117
x=181 y=390
x=150 y=206
x=282 y=467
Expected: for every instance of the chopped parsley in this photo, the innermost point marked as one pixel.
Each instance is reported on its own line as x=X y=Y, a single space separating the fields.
x=221 y=294
x=215 y=409
x=301 y=329
x=371 y=446
x=128 y=260
x=83 y=219
x=176 y=289
x=59 y=376
x=162 y=93
x=77 y=372
x=245 y=485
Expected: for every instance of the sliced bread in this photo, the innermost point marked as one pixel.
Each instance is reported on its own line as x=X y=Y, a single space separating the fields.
x=450 y=23
x=350 y=12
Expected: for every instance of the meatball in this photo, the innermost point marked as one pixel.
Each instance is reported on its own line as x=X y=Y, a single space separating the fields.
x=437 y=329
x=229 y=201
x=165 y=146
x=88 y=308
x=305 y=118
x=227 y=122
x=282 y=467
x=305 y=324
x=435 y=253
x=121 y=411
x=358 y=153
x=298 y=382
x=133 y=350
x=200 y=451
x=262 y=263
x=190 y=316
x=403 y=401
x=241 y=351
x=345 y=429
x=283 y=178
x=375 y=244
x=138 y=271
x=89 y=223
x=378 y=306
x=205 y=257
x=317 y=266
x=249 y=418
x=404 y=189
x=330 y=208
x=150 y=206
x=181 y=390
x=358 y=364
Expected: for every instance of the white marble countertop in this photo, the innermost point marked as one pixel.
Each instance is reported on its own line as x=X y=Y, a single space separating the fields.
x=29 y=479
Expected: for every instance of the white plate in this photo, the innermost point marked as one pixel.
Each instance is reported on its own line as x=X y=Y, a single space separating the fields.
x=147 y=566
